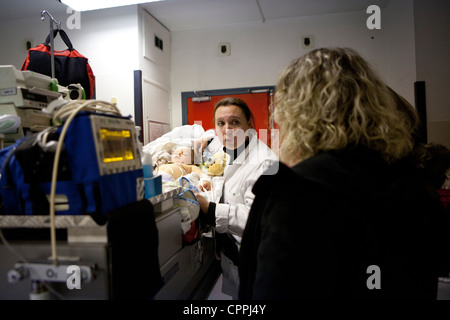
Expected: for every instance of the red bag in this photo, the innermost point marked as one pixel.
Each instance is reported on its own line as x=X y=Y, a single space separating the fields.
x=192 y=234
x=71 y=67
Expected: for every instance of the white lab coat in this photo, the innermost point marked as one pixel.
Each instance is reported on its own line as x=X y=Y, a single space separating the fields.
x=237 y=198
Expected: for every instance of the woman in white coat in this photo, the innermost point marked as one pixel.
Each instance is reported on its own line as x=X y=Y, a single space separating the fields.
x=248 y=159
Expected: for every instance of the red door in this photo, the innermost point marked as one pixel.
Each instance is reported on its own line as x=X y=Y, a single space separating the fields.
x=200 y=112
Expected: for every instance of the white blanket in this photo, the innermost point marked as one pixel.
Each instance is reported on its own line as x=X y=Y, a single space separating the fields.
x=161 y=149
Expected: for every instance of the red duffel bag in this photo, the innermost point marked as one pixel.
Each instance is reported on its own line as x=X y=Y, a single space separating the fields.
x=71 y=67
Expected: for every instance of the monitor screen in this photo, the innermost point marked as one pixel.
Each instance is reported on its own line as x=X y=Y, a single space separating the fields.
x=117 y=145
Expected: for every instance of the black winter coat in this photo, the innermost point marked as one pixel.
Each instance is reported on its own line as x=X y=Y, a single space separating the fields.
x=316 y=231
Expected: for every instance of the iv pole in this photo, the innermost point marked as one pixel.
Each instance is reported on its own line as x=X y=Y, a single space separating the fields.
x=58 y=25
x=52 y=59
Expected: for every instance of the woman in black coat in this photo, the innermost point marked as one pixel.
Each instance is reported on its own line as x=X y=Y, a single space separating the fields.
x=348 y=215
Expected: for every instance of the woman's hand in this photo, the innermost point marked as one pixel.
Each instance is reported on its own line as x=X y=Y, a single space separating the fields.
x=204 y=204
x=205 y=185
x=199 y=145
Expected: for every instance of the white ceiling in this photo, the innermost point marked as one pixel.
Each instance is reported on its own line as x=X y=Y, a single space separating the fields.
x=188 y=14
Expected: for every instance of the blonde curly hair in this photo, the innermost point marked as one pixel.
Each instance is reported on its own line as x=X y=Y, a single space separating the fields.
x=331 y=98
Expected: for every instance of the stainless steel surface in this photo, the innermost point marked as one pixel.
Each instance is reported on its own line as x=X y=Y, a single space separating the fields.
x=39 y=251
x=183 y=267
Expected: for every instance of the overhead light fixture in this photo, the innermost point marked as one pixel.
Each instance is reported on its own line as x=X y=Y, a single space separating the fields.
x=86 y=5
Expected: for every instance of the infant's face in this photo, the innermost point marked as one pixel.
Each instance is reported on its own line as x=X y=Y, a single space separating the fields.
x=182 y=155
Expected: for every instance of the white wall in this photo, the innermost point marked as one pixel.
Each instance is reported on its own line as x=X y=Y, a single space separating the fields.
x=155 y=63
x=110 y=39
x=156 y=67
x=259 y=51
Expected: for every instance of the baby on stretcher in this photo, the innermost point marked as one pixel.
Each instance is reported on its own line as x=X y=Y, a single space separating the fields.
x=181 y=165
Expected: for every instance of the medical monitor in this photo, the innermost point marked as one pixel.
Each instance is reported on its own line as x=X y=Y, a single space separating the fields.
x=115 y=143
